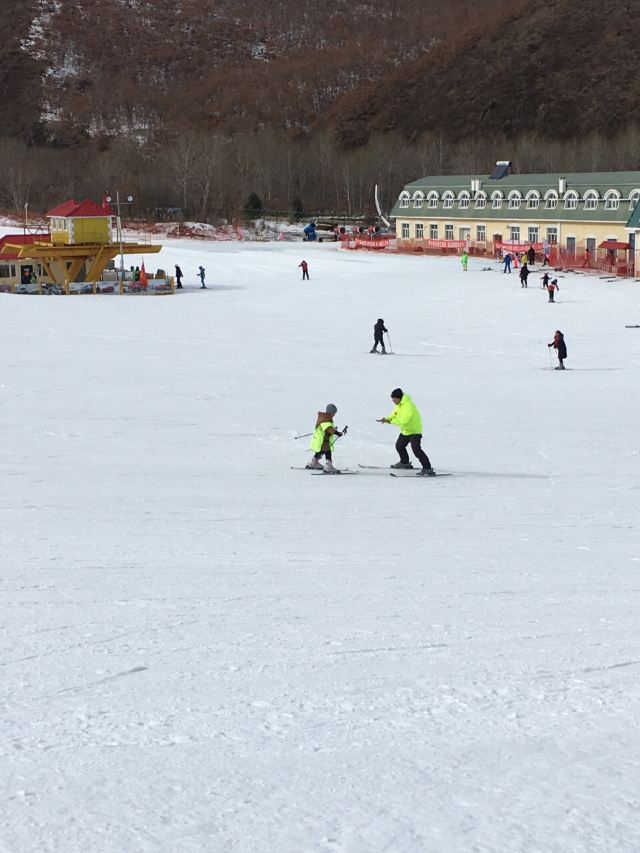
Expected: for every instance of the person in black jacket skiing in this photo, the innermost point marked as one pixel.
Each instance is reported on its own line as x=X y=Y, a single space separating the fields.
x=178 y=277
x=524 y=275
x=378 y=331
x=560 y=346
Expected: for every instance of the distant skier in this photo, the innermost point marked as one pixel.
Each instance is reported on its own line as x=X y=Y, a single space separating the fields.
x=560 y=346
x=524 y=275
x=178 y=277
x=324 y=439
x=407 y=417
x=305 y=270
x=551 y=289
x=464 y=260
x=201 y=277
x=378 y=332
x=546 y=261
x=531 y=255
x=507 y=262
x=546 y=278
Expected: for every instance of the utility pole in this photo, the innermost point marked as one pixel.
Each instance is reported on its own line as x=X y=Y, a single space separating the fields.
x=129 y=200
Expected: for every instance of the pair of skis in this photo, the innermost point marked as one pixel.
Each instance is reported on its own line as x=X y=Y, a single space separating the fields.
x=400 y=473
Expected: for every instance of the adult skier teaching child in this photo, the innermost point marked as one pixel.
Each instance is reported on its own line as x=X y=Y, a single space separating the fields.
x=406 y=415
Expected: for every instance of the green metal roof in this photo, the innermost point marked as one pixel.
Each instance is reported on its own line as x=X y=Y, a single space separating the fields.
x=580 y=182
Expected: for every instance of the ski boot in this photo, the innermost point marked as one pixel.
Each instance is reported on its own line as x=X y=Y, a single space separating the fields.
x=373 y=350
x=329 y=469
x=426 y=472
x=314 y=465
x=402 y=465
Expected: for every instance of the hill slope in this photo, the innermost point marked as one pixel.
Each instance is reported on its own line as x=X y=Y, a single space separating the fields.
x=562 y=71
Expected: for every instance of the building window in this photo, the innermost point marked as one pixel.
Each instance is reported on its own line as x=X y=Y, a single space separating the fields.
x=533 y=201
x=432 y=199
x=570 y=200
x=612 y=200
x=551 y=200
x=552 y=235
x=433 y=232
x=405 y=230
x=448 y=232
x=633 y=199
x=591 y=200
x=496 y=200
x=514 y=200
x=532 y=234
x=5 y=271
x=514 y=232
x=481 y=233
x=417 y=200
x=463 y=201
x=447 y=200
x=481 y=201
x=419 y=231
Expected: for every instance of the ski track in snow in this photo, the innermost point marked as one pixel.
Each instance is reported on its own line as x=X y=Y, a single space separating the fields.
x=203 y=650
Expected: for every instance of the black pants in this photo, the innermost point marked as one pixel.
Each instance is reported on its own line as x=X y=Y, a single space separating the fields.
x=377 y=341
x=305 y=274
x=418 y=452
x=327 y=455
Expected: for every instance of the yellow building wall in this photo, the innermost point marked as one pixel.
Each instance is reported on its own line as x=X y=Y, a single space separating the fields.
x=60 y=238
x=579 y=230
x=93 y=230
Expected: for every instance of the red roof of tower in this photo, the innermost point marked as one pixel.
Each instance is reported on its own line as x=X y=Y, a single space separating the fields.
x=16 y=240
x=82 y=208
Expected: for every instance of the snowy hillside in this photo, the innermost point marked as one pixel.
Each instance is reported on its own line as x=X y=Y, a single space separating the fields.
x=204 y=650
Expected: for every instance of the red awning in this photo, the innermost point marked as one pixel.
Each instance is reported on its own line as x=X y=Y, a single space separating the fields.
x=614 y=244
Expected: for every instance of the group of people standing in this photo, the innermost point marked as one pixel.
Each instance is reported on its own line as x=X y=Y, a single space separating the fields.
x=180 y=275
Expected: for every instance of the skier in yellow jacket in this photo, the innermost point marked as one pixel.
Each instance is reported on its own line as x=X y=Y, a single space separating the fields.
x=323 y=439
x=407 y=417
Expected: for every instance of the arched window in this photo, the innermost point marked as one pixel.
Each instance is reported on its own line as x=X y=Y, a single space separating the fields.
x=533 y=200
x=590 y=200
x=634 y=197
x=551 y=200
x=404 y=199
x=496 y=200
x=611 y=200
x=515 y=200
x=481 y=200
x=464 y=199
x=432 y=198
x=418 y=198
x=570 y=200
x=447 y=199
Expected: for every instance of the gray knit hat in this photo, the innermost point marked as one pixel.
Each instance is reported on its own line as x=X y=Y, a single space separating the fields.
x=331 y=409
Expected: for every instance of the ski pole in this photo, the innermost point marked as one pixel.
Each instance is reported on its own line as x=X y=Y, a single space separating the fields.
x=550 y=359
x=306 y=435
x=389 y=342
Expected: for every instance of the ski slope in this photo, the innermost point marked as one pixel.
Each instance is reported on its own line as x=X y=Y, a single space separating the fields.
x=204 y=651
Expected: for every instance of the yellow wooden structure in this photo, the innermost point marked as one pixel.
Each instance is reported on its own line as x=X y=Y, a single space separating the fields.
x=80 y=243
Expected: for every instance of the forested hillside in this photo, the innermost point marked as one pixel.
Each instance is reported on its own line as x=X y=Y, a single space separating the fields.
x=195 y=104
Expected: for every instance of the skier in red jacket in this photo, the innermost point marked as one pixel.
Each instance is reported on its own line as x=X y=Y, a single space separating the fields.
x=305 y=270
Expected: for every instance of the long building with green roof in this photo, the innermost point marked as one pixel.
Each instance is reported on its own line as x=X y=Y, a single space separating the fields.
x=571 y=215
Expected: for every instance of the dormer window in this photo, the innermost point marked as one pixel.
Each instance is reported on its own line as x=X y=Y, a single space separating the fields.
x=612 y=200
x=447 y=199
x=533 y=200
x=404 y=200
x=432 y=199
x=515 y=200
x=496 y=200
x=464 y=200
x=418 y=198
x=570 y=200
x=634 y=197
x=551 y=200
x=481 y=200
x=591 y=200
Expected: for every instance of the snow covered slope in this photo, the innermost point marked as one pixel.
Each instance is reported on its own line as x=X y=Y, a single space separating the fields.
x=203 y=650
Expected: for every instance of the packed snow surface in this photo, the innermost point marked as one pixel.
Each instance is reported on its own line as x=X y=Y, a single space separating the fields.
x=204 y=650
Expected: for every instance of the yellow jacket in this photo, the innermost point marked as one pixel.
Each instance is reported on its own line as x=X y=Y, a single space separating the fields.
x=406 y=416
